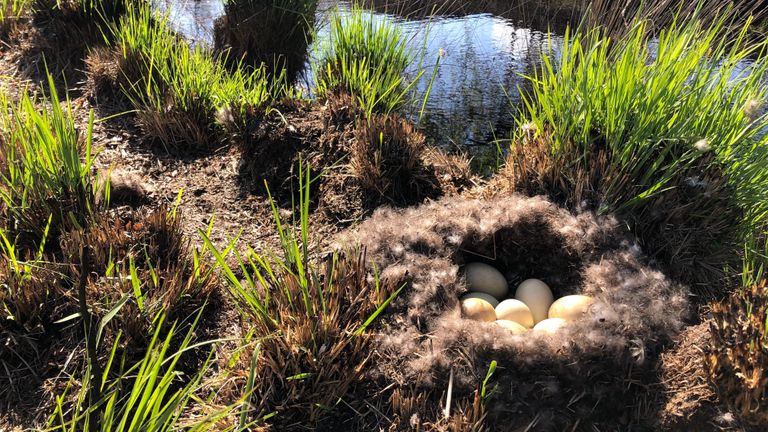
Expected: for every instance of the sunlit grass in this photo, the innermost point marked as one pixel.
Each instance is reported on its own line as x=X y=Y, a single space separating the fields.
x=647 y=112
x=185 y=95
x=150 y=395
x=366 y=56
x=309 y=318
x=47 y=162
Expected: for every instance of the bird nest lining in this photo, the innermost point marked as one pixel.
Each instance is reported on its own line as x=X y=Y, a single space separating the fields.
x=579 y=374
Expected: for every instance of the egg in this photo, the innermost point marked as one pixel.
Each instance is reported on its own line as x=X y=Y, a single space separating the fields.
x=512 y=326
x=484 y=278
x=570 y=307
x=537 y=296
x=515 y=310
x=478 y=310
x=550 y=325
x=487 y=297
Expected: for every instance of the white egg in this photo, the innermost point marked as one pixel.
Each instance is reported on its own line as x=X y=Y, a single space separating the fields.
x=537 y=296
x=484 y=278
x=512 y=326
x=570 y=307
x=478 y=310
x=550 y=325
x=515 y=310
x=487 y=297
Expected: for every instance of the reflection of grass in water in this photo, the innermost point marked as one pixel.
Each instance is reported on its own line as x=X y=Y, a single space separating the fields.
x=273 y=32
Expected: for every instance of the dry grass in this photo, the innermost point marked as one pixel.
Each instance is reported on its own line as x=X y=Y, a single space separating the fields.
x=387 y=158
x=146 y=256
x=306 y=321
x=140 y=266
x=738 y=357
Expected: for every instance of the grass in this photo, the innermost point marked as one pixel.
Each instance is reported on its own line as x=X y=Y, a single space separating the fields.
x=46 y=172
x=367 y=57
x=639 y=126
x=185 y=96
x=654 y=127
x=310 y=322
x=666 y=127
x=656 y=119
x=738 y=356
x=11 y=11
x=150 y=395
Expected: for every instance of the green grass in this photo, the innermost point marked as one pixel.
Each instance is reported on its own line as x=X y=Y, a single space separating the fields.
x=11 y=11
x=309 y=318
x=367 y=57
x=185 y=95
x=47 y=163
x=150 y=395
x=643 y=120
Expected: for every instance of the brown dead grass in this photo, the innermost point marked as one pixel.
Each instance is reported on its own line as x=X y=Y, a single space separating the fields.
x=737 y=359
x=692 y=402
x=40 y=345
x=57 y=37
x=363 y=163
x=308 y=355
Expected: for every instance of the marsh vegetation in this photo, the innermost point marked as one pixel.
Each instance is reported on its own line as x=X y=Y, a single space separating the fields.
x=267 y=228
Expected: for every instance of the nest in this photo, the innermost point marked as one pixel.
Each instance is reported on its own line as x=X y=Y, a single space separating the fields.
x=584 y=375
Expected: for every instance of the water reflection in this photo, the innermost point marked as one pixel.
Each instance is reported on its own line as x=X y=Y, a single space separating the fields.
x=475 y=91
x=263 y=32
x=193 y=19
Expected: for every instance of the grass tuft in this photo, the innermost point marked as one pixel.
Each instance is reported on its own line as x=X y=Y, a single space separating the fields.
x=46 y=169
x=389 y=159
x=660 y=129
x=311 y=319
x=738 y=357
x=185 y=96
x=367 y=57
x=150 y=395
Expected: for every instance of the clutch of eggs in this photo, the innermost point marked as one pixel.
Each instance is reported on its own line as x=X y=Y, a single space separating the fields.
x=533 y=306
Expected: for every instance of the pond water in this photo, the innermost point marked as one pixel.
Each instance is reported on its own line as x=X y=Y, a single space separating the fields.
x=475 y=93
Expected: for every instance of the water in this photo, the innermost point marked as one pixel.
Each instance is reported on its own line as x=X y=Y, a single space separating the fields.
x=475 y=93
